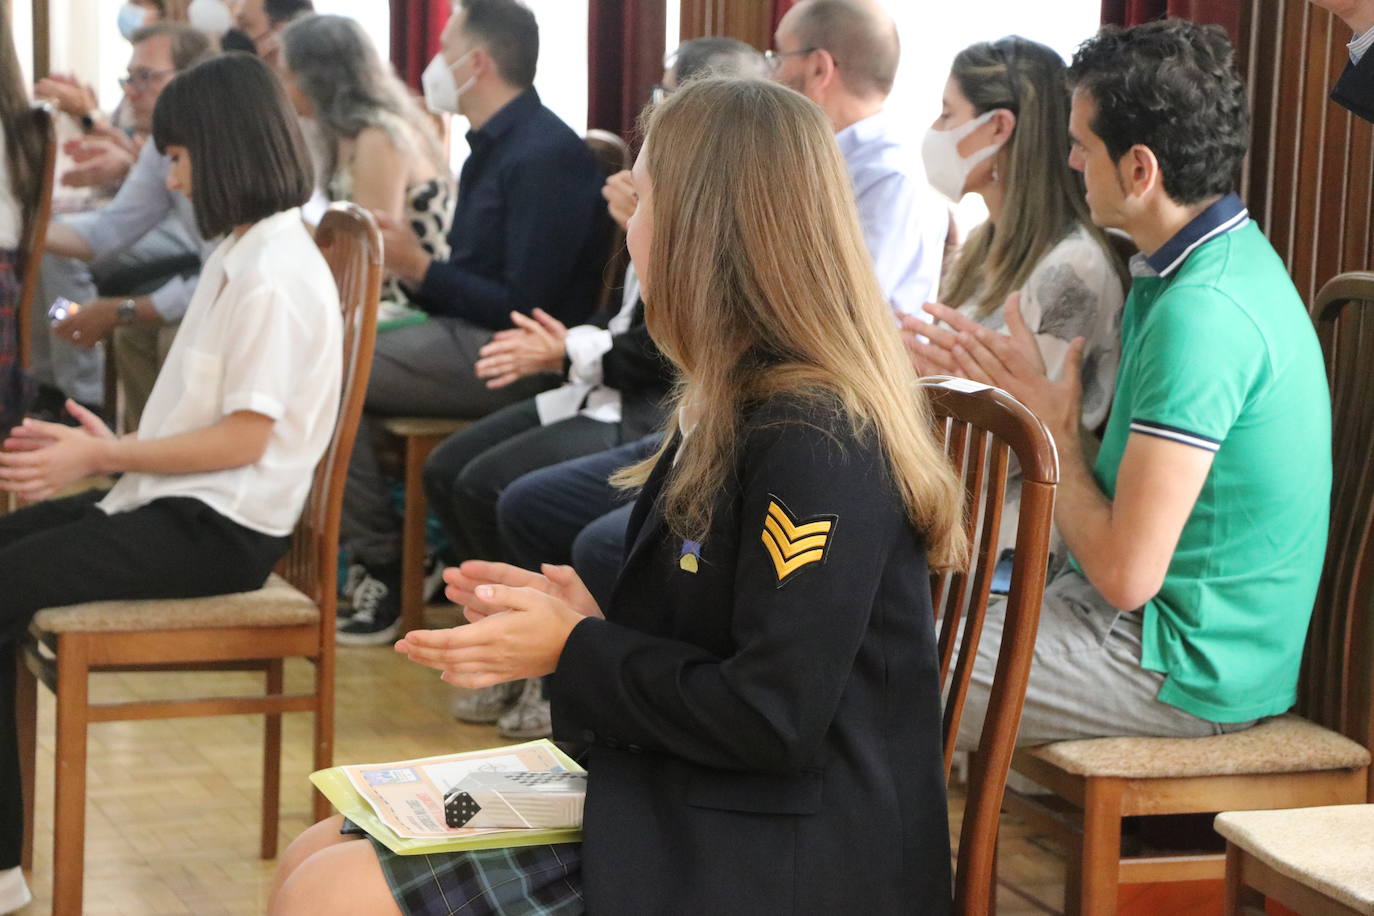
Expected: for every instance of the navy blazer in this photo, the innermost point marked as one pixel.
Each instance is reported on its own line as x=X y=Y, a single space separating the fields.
x=1355 y=89
x=763 y=708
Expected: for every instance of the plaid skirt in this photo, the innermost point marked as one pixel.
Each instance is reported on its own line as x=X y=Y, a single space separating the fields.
x=517 y=881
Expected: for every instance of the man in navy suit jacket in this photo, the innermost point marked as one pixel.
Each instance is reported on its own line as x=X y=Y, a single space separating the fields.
x=1355 y=89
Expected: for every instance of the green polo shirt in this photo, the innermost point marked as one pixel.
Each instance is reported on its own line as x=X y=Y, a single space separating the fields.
x=1220 y=354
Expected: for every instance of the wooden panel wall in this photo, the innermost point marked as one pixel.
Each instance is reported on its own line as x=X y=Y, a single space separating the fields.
x=751 y=21
x=1310 y=176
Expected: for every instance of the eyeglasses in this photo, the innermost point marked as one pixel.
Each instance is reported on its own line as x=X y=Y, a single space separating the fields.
x=774 y=58
x=142 y=79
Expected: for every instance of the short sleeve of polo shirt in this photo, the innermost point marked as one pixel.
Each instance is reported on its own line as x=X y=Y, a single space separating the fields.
x=1199 y=358
x=264 y=354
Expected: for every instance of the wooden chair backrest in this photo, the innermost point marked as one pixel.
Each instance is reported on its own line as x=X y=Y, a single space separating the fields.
x=1336 y=688
x=982 y=427
x=352 y=246
x=36 y=202
x=614 y=155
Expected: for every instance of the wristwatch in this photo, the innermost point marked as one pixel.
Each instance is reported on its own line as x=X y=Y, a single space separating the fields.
x=126 y=311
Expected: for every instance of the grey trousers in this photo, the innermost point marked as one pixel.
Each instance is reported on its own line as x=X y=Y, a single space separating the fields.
x=1086 y=680
x=81 y=373
x=422 y=370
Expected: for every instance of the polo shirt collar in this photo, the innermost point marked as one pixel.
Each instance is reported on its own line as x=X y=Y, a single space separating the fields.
x=1226 y=215
x=516 y=110
x=242 y=252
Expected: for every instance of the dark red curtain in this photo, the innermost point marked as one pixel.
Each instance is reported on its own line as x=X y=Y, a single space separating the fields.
x=624 y=60
x=1225 y=13
x=780 y=8
x=415 y=28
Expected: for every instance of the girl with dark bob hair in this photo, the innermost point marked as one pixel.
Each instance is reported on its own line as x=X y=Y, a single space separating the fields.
x=244 y=407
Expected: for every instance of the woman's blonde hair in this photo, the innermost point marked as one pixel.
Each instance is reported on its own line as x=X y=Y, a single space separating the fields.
x=759 y=285
x=1044 y=198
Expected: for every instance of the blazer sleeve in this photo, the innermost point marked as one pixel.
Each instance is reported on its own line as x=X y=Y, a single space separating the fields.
x=634 y=362
x=1355 y=89
x=767 y=705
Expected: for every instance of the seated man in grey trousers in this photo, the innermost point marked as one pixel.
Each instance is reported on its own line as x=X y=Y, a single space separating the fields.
x=1197 y=536
x=529 y=231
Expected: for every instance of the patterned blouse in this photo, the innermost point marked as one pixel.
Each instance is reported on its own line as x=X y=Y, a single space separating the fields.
x=1075 y=291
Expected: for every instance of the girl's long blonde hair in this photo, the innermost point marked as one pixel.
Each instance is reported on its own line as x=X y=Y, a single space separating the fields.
x=759 y=285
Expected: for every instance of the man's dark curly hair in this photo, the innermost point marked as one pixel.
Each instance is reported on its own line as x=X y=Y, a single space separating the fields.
x=1170 y=86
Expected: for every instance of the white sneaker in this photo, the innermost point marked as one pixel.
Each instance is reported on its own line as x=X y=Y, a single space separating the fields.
x=14 y=891
x=529 y=718
x=485 y=706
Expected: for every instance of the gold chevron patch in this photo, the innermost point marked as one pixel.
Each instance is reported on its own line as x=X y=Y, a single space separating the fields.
x=791 y=544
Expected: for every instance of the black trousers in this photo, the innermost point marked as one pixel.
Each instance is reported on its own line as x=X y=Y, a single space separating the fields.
x=67 y=551
x=466 y=474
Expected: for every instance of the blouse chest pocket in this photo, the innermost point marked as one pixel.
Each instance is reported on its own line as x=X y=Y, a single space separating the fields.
x=201 y=381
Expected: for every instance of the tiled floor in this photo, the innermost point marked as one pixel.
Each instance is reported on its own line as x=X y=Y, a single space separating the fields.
x=172 y=822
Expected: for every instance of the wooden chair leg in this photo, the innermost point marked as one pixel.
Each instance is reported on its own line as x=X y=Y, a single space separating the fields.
x=1092 y=888
x=324 y=724
x=413 y=536
x=69 y=776
x=271 y=765
x=26 y=718
x=1240 y=898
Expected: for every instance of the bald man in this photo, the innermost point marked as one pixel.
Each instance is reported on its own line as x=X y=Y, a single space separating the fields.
x=843 y=55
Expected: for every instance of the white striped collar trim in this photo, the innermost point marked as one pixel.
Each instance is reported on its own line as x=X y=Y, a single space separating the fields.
x=1236 y=222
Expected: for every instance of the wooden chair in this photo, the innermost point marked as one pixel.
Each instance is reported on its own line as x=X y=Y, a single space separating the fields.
x=37 y=207
x=419 y=436
x=981 y=427
x=1318 y=757
x=1317 y=861
x=292 y=616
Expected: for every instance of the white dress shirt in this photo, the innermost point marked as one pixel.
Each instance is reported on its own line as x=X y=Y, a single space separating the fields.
x=904 y=221
x=262 y=333
x=583 y=393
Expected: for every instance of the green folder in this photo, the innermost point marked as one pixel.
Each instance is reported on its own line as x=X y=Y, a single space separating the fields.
x=335 y=785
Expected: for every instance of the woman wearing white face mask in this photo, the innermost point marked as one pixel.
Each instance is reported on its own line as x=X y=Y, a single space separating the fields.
x=1003 y=133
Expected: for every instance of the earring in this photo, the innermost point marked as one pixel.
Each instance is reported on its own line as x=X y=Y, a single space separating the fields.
x=996 y=176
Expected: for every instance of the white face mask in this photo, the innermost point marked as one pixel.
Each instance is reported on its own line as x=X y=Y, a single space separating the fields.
x=946 y=170
x=209 y=16
x=131 y=17
x=442 y=91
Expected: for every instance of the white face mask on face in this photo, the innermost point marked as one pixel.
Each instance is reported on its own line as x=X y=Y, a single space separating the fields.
x=131 y=17
x=442 y=91
x=209 y=16
x=946 y=170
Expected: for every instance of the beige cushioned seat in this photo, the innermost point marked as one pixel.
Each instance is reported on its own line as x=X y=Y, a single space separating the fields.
x=424 y=426
x=276 y=604
x=1284 y=744
x=1329 y=849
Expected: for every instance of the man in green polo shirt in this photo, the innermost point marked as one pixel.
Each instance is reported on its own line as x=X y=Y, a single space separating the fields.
x=1198 y=534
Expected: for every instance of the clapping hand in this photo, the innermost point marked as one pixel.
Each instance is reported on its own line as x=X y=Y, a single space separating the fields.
x=100 y=161
x=68 y=93
x=1009 y=361
x=621 y=198
x=40 y=458
x=519 y=622
x=534 y=345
